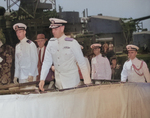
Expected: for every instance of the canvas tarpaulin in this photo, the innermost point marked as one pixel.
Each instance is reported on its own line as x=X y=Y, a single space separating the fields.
x=129 y=100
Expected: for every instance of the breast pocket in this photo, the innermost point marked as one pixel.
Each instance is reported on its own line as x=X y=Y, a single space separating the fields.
x=67 y=54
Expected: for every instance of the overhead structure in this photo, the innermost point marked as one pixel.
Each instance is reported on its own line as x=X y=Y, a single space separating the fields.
x=33 y=13
x=30 y=6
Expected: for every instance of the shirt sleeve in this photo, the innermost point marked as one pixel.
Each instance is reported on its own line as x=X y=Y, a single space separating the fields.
x=124 y=73
x=81 y=61
x=47 y=63
x=34 y=60
x=146 y=72
x=16 y=66
x=108 y=69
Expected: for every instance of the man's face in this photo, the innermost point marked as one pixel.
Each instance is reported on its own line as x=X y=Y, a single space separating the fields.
x=114 y=61
x=41 y=42
x=58 y=32
x=96 y=51
x=132 y=54
x=21 y=34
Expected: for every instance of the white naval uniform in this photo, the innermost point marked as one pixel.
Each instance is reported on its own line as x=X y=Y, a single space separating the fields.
x=26 y=60
x=101 y=68
x=129 y=73
x=64 y=54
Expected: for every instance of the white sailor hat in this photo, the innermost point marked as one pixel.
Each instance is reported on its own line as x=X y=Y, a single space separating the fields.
x=40 y=37
x=95 y=45
x=55 y=22
x=132 y=47
x=19 y=26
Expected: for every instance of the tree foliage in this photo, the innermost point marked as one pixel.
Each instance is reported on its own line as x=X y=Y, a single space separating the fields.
x=128 y=28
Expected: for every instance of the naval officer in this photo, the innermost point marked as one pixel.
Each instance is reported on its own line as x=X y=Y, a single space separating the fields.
x=64 y=52
x=100 y=64
x=134 y=70
x=26 y=57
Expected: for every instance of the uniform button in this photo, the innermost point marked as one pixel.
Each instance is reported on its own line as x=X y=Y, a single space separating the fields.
x=58 y=65
x=58 y=57
x=58 y=50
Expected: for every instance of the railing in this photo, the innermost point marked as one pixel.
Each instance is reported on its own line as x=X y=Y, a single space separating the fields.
x=17 y=88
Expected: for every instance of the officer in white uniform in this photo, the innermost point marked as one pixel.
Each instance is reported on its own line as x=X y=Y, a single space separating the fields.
x=100 y=64
x=65 y=52
x=134 y=70
x=26 y=57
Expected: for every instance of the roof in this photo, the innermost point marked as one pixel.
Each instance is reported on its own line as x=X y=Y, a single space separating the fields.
x=144 y=32
x=106 y=17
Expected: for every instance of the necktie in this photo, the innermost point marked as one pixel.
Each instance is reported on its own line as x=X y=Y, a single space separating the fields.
x=39 y=65
x=40 y=55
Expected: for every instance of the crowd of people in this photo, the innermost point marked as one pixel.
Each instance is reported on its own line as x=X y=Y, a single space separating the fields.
x=62 y=61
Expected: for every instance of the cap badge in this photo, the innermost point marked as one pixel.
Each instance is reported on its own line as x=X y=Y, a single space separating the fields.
x=16 y=27
x=52 y=22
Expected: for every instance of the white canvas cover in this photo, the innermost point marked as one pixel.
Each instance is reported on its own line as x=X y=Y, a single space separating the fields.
x=129 y=100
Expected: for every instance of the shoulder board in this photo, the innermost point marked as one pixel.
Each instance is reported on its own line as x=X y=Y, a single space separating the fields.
x=29 y=41
x=68 y=39
x=52 y=39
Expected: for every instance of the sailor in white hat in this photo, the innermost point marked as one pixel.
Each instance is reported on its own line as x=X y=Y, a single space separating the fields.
x=64 y=52
x=100 y=65
x=26 y=57
x=19 y=26
x=134 y=70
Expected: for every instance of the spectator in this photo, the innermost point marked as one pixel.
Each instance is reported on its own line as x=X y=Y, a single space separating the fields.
x=110 y=52
x=115 y=68
x=41 y=40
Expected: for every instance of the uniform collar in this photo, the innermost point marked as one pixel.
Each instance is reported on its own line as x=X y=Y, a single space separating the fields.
x=23 y=40
x=99 y=54
x=135 y=59
x=41 y=48
x=62 y=37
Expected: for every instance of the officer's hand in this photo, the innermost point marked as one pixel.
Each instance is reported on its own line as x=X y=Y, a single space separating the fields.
x=15 y=80
x=53 y=68
x=30 y=79
x=41 y=85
